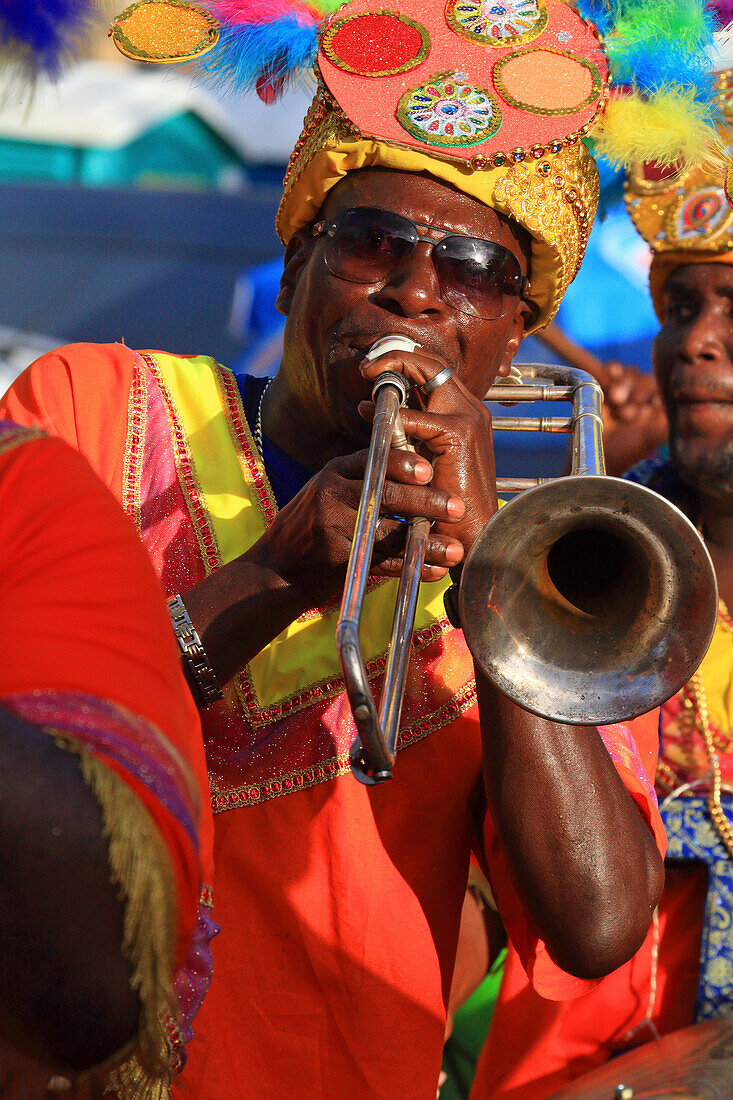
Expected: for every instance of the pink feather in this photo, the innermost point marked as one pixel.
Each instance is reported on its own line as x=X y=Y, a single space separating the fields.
x=234 y=13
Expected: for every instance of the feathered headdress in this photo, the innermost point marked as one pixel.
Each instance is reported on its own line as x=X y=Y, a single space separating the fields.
x=659 y=106
x=495 y=97
x=41 y=35
x=662 y=107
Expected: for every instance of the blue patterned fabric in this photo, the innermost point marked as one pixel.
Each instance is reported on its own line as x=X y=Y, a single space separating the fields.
x=692 y=836
x=658 y=473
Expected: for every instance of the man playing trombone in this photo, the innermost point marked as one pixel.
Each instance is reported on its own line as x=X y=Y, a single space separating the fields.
x=340 y=902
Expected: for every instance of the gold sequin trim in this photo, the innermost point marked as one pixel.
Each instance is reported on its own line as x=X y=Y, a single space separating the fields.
x=418 y=104
x=164 y=31
x=132 y=467
x=188 y=479
x=304 y=778
x=595 y=92
x=473 y=10
x=326 y=688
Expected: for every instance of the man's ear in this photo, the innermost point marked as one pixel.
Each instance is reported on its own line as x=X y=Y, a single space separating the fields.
x=296 y=253
x=524 y=316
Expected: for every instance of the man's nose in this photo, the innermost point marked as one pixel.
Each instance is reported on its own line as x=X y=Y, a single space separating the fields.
x=705 y=340
x=413 y=288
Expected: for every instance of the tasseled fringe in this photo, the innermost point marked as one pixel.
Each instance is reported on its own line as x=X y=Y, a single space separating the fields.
x=140 y=864
x=130 y=1081
x=669 y=127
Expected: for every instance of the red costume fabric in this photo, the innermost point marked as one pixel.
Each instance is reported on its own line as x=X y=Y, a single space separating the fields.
x=88 y=653
x=339 y=903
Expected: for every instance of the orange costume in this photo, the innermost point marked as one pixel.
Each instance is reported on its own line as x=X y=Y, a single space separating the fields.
x=88 y=655
x=339 y=903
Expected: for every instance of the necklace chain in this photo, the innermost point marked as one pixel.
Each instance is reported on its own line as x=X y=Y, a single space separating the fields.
x=722 y=825
x=258 y=418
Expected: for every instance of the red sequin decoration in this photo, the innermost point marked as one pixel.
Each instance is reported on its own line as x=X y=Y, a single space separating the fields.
x=375 y=43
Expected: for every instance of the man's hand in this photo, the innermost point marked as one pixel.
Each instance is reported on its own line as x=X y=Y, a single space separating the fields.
x=453 y=429
x=309 y=542
x=300 y=560
x=634 y=421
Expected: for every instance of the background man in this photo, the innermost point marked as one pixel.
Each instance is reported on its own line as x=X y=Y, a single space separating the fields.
x=105 y=826
x=340 y=902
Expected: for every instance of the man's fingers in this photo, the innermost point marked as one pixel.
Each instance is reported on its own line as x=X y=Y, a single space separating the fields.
x=393 y=568
x=437 y=505
x=441 y=552
x=402 y=466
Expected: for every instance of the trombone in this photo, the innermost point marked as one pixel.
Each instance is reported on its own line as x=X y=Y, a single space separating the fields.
x=586 y=599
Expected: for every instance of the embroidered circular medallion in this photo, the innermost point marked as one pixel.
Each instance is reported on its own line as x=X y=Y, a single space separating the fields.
x=379 y=43
x=497 y=22
x=547 y=82
x=447 y=110
x=162 y=31
x=699 y=216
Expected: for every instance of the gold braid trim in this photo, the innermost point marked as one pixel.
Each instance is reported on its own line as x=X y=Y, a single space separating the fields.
x=139 y=863
x=715 y=807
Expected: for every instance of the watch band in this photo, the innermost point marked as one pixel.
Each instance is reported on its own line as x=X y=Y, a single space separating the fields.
x=199 y=672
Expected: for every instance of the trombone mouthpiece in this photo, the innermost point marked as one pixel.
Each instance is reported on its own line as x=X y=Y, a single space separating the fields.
x=386 y=344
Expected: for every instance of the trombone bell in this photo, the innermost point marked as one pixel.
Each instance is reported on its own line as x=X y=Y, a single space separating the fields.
x=588 y=600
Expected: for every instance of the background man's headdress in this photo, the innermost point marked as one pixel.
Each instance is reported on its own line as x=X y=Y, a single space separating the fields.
x=496 y=97
x=681 y=209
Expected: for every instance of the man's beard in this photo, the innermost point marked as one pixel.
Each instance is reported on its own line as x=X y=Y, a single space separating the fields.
x=710 y=472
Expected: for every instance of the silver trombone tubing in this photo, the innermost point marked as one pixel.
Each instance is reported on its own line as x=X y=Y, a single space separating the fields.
x=373 y=752
x=602 y=595
x=585 y=424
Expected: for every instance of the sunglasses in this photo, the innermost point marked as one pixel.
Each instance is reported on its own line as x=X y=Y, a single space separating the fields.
x=476 y=277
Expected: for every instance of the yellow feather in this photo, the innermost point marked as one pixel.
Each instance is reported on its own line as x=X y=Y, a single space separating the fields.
x=668 y=127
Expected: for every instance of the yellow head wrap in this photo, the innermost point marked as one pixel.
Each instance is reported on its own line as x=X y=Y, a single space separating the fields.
x=553 y=196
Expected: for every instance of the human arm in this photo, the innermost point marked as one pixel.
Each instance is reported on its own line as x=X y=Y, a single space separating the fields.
x=101 y=761
x=634 y=421
x=556 y=802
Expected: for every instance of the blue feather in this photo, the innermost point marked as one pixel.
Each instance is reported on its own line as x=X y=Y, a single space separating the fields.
x=653 y=65
x=662 y=43
x=597 y=13
x=45 y=27
x=280 y=49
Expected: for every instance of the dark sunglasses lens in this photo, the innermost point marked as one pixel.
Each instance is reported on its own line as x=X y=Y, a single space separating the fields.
x=475 y=276
x=368 y=244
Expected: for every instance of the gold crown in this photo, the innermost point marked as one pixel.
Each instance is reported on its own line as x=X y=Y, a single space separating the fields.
x=685 y=210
